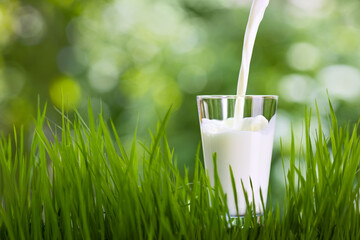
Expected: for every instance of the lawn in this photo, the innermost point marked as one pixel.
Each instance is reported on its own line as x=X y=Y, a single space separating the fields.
x=78 y=182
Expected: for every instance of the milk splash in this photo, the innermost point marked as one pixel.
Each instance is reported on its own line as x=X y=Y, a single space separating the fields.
x=256 y=15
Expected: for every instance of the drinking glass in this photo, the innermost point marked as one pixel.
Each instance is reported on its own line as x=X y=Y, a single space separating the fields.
x=245 y=143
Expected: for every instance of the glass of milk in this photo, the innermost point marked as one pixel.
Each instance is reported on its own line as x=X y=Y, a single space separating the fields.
x=244 y=141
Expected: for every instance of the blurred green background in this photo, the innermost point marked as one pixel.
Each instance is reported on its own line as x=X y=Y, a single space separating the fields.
x=140 y=56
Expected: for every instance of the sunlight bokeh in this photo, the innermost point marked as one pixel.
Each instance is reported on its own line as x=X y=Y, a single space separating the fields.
x=140 y=57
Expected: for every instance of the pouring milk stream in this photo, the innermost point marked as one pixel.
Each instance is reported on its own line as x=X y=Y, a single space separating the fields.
x=244 y=143
x=256 y=15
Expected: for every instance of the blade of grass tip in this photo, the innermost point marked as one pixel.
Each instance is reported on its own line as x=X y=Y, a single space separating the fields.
x=120 y=145
x=159 y=135
x=248 y=207
x=15 y=159
x=301 y=179
x=262 y=203
x=216 y=176
x=20 y=174
x=349 y=170
x=311 y=157
x=152 y=135
x=195 y=185
x=146 y=149
x=309 y=153
x=81 y=119
x=9 y=155
x=133 y=145
x=291 y=172
x=41 y=114
x=23 y=171
x=254 y=217
x=234 y=189
x=284 y=172
x=110 y=149
x=357 y=156
x=91 y=118
x=168 y=153
x=320 y=148
x=215 y=194
x=132 y=166
x=60 y=112
x=333 y=118
x=63 y=118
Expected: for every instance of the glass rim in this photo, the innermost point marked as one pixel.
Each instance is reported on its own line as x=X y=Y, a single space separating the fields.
x=275 y=97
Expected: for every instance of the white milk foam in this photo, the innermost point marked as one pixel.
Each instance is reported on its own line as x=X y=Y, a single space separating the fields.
x=247 y=149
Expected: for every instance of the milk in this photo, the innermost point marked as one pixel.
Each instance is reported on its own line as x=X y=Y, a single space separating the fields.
x=245 y=144
x=256 y=15
x=247 y=149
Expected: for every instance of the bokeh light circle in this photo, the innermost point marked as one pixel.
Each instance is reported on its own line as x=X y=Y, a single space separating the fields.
x=297 y=88
x=65 y=92
x=29 y=25
x=342 y=81
x=103 y=76
x=303 y=56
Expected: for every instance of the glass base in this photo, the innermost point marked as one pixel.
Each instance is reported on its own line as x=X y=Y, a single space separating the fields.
x=239 y=221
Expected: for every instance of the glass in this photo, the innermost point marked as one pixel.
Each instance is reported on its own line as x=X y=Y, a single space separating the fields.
x=245 y=143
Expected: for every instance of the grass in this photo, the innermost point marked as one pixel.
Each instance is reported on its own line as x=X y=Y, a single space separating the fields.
x=83 y=184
